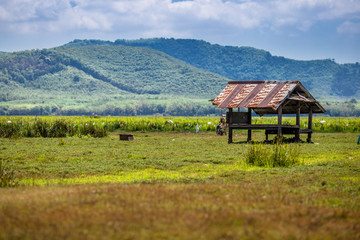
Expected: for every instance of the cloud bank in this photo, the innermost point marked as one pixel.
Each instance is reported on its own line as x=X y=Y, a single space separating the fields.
x=169 y=18
x=269 y=24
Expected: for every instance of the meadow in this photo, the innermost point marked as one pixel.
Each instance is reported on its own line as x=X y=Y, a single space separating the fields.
x=174 y=183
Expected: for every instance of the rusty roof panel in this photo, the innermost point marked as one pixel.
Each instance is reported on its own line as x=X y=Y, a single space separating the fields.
x=265 y=96
x=265 y=101
x=262 y=95
x=247 y=88
x=251 y=95
x=254 y=94
x=281 y=95
x=228 y=89
x=232 y=95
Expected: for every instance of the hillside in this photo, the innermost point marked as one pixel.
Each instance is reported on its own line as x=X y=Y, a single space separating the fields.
x=148 y=76
x=145 y=71
x=87 y=79
x=324 y=78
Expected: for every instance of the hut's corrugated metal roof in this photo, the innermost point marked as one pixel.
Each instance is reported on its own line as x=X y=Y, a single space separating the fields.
x=264 y=95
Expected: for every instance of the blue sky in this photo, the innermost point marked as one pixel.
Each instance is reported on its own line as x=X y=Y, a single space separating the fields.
x=297 y=29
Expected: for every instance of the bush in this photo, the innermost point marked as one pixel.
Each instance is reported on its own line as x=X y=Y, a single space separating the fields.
x=48 y=127
x=278 y=155
x=41 y=128
x=93 y=130
x=60 y=129
x=9 y=129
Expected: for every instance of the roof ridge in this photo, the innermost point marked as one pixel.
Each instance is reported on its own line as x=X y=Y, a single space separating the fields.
x=267 y=82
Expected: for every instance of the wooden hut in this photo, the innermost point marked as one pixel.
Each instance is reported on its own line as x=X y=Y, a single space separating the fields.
x=268 y=97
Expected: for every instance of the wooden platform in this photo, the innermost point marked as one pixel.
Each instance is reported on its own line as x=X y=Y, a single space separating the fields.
x=271 y=129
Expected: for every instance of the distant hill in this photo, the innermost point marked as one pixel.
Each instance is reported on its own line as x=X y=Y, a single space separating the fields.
x=324 y=78
x=148 y=76
x=82 y=79
x=144 y=71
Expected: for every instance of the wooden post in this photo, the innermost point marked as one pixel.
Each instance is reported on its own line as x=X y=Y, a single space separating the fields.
x=310 y=125
x=249 y=122
x=230 y=125
x=297 y=130
x=279 y=130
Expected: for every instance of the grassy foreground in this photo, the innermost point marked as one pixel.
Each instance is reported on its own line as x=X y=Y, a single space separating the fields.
x=167 y=185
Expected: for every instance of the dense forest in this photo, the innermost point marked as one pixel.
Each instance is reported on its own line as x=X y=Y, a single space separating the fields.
x=104 y=80
x=156 y=76
x=324 y=78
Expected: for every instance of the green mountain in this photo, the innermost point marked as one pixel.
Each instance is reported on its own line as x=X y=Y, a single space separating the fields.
x=104 y=80
x=147 y=76
x=324 y=78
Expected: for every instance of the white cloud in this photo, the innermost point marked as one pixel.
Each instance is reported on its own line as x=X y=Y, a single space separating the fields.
x=32 y=10
x=258 y=23
x=166 y=16
x=3 y=13
x=349 y=27
x=84 y=19
x=339 y=9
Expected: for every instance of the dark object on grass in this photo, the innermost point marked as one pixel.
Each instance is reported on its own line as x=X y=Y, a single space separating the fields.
x=221 y=127
x=126 y=137
x=358 y=142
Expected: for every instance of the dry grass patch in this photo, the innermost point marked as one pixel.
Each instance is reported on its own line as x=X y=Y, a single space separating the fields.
x=156 y=211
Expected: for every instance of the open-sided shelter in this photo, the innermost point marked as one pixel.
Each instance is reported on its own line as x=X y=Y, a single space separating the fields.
x=268 y=97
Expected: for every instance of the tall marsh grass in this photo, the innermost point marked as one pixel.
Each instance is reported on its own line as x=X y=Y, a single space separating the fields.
x=277 y=155
x=50 y=127
x=16 y=126
x=98 y=126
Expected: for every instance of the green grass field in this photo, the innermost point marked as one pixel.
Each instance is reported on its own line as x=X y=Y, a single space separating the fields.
x=173 y=185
